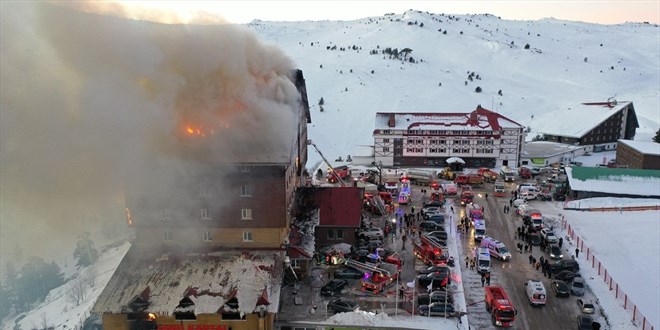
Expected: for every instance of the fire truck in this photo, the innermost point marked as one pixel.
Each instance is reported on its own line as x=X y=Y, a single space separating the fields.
x=467 y=197
x=525 y=172
x=379 y=275
x=342 y=172
x=429 y=251
x=500 y=307
x=471 y=179
x=499 y=189
x=488 y=175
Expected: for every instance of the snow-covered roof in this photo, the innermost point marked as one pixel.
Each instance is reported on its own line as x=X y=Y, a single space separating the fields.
x=647 y=148
x=208 y=279
x=578 y=120
x=479 y=119
x=620 y=181
x=542 y=149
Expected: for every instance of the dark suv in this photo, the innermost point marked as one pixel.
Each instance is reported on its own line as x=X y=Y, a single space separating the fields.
x=333 y=287
x=564 y=264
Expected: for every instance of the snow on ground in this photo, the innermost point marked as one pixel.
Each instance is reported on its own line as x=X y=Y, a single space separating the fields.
x=58 y=310
x=626 y=243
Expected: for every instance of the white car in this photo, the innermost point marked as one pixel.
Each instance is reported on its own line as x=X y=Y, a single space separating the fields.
x=519 y=202
x=371 y=233
x=549 y=236
x=527 y=196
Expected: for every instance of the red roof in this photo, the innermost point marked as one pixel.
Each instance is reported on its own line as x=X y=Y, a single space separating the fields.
x=340 y=206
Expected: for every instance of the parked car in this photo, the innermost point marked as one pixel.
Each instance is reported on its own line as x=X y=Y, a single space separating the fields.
x=437 y=309
x=343 y=305
x=369 y=245
x=437 y=218
x=348 y=273
x=567 y=276
x=439 y=234
x=527 y=195
x=439 y=279
x=429 y=226
x=432 y=269
x=549 y=236
x=437 y=209
x=361 y=254
x=560 y=288
x=586 y=306
x=544 y=197
x=333 y=287
x=577 y=288
x=433 y=204
x=554 y=251
x=564 y=264
x=435 y=297
x=371 y=233
x=535 y=239
x=585 y=322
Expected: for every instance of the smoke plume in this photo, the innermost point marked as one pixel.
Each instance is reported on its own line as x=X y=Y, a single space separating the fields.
x=86 y=97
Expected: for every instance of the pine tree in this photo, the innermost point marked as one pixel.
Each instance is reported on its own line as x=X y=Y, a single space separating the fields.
x=656 y=138
x=85 y=253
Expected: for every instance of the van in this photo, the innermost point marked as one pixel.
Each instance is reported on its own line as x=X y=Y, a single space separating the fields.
x=535 y=292
x=496 y=248
x=528 y=189
x=479 y=230
x=483 y=261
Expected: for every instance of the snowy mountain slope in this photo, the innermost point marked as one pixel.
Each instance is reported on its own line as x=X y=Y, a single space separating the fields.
x=622 y=61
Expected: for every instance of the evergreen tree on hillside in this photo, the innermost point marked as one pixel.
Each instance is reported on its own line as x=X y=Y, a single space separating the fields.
x=656 y=138
x=85 y=253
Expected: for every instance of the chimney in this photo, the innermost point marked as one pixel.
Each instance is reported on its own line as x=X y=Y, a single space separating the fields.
x=391 y=122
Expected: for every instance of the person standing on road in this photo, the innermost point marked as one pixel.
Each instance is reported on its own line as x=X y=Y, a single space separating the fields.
x=487 y=276
x=483 y=280
x=561 y=241
x=511 y=200
x=577 y=253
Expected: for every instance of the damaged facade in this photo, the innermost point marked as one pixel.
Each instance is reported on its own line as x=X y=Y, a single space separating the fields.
x=210 y=239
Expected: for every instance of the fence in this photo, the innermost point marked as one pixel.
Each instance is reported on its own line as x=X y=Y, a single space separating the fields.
x=619 y=294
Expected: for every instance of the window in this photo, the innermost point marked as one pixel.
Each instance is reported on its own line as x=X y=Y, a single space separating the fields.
x=386 y=140
x=246 y=191
x=386 y=149
x=246 y=169
x=205 y=214
x=247 y=236
x=207 y=236
x=456 y=151
x=466 y=141
x=295 y=263
x=167 y=235
x=340 y=234
x=443 y=141
x=331 y=234
x=246 y=214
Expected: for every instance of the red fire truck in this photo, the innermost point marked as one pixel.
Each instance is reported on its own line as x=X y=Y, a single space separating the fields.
x=429 y=251
x=489 y=176
x=379 y=275
x=342 y=171
x=499 y=306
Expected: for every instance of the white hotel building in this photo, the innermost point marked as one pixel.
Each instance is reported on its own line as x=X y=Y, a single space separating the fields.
x=481 y=138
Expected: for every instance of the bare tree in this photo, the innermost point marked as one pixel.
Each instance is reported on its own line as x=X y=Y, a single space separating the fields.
x=89 y=276
x=76 y=292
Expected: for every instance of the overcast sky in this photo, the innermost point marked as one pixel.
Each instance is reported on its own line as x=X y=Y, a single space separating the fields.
x=602 y=12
